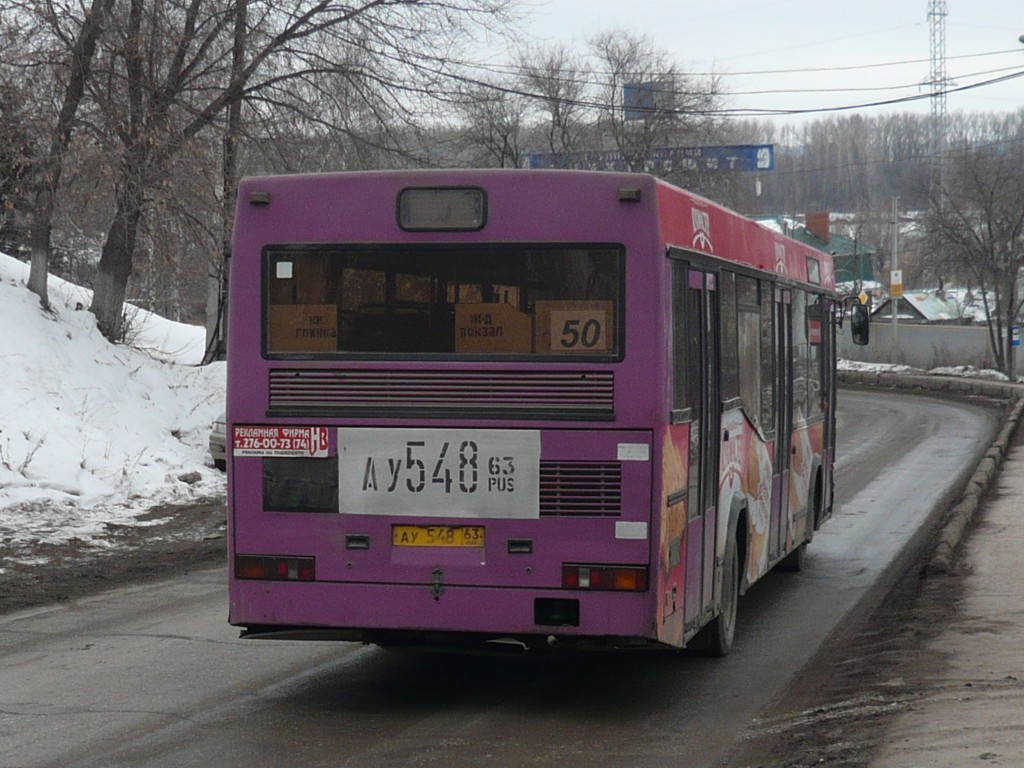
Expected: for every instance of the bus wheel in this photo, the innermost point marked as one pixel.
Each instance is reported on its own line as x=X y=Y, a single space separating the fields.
x=795 y=561
x=716 y=638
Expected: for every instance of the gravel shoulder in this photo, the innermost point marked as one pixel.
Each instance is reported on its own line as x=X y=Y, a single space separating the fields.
x=168 y=540
x=839 y=710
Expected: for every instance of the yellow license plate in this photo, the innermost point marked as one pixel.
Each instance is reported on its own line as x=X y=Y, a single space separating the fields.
x=437 y=535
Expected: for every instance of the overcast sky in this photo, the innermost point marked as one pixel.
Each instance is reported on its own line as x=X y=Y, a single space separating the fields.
x=841 y=53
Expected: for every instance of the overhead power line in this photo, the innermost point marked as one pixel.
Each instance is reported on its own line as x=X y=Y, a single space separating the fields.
x=461 y=73
x=582 y=75
x=862 y=89
x=725 y=111
x=756 y=112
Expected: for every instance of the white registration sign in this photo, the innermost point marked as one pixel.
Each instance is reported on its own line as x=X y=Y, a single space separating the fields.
x=439 y=472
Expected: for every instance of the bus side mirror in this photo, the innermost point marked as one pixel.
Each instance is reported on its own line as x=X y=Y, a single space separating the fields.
x=860 y=324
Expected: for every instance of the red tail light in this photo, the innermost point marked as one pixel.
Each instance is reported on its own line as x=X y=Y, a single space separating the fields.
x=618 y=578
x=267 y=568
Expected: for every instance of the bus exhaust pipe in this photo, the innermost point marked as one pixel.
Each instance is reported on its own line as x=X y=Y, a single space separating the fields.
x=509 y=644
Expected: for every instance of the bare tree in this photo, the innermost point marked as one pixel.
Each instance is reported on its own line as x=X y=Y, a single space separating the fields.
x=80 y=34
x=494 y=123
x=667 y=105
x=977 y=221
x=173 y=70
x=219 y=269
x=15 y=163
x=556 y=79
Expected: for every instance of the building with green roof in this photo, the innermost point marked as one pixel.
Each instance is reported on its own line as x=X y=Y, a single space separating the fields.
x=853 y=260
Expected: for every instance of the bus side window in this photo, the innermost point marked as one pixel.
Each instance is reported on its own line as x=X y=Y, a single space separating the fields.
x=730 y=335
x=767 y=330
x=799 y=355
x=815 y=345
x=679 y=395
x=748 y=319
x=686 y=324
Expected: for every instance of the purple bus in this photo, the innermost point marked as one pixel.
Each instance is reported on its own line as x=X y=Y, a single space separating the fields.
x=551 y=407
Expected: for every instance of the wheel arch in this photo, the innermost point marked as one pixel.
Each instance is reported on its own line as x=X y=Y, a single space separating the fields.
x=739 y=525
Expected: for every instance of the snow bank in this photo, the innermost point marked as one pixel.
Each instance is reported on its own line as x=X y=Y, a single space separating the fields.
x=92 y=432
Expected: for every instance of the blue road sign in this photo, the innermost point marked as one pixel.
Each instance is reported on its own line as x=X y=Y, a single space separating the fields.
x=660 y=160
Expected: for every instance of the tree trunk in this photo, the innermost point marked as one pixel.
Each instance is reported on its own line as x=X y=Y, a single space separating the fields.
x=1011 y=322
x=80 y=64
x=216 y=340
x=115 y=265
x=42 y=224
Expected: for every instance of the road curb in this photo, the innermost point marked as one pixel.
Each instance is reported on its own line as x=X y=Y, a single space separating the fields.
x=962 y=514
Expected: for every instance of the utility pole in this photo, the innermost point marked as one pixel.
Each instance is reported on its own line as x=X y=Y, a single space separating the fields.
x=896 y=276
x=937 y=78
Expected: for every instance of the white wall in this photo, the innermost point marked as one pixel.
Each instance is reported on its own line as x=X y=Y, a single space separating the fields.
x=925 y=346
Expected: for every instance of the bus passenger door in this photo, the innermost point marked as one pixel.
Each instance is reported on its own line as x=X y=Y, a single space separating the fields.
x=782 y=311
x=828 y=393
x=700 y=307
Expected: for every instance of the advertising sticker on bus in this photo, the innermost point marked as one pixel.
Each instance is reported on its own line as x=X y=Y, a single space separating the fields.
x=304 y=442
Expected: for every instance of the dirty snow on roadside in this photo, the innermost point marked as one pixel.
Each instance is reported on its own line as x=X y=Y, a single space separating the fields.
x=963 y=371
x=93 y=433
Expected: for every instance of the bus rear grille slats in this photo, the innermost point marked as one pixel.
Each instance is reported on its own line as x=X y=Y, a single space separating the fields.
x=567 y=488
x=571 y=393
x=585 y=489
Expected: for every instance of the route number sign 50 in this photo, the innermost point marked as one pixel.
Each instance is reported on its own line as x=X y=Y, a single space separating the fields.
x=579 y=330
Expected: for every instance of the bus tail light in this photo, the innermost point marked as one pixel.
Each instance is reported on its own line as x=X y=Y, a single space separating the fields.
x=618 y=578
x=267 y=568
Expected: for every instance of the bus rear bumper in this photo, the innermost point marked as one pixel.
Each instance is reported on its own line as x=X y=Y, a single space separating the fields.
x=391 y=614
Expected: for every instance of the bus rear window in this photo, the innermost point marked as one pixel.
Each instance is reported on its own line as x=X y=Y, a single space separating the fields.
x=482 y=300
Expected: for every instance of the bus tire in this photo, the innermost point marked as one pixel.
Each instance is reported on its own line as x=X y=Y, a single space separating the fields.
x=717 y=637
x=795 y=561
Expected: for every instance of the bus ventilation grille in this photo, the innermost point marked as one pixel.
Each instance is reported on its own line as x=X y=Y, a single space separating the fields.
x=524 y=394
x=580 y=489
